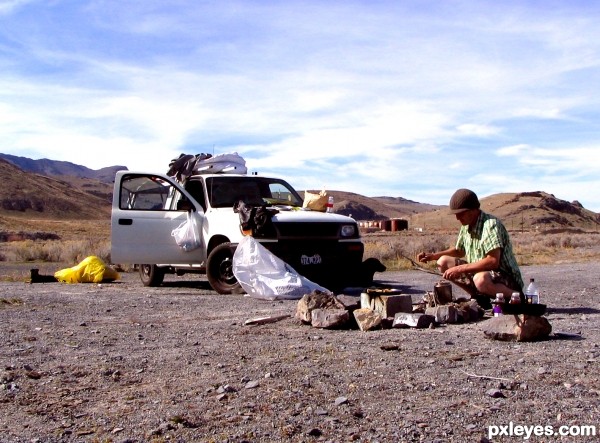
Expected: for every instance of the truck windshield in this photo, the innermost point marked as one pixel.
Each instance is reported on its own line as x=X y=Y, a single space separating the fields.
x=225 y=191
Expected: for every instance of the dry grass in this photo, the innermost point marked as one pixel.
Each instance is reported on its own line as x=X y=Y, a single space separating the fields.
x=531 y=248
x=55 y=251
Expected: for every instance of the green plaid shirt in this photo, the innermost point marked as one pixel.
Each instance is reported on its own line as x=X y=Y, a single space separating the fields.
x=488 y=234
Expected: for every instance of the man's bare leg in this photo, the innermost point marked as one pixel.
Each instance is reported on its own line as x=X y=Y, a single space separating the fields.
x=445 y=262
x=484 y=284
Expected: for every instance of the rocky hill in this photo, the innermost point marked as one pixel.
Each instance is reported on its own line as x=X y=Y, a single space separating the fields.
x=376 y=208
x=519 y=211
x=62 y=168
x=45 y=189
x=32 y=195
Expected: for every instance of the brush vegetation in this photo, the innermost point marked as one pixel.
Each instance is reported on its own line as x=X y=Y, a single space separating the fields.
x=391 y=248
x=531 y=248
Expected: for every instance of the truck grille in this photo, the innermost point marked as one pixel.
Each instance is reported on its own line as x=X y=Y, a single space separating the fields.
x=307 y=230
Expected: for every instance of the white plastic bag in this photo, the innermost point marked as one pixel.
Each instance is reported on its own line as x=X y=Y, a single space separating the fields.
x=186 y=234
x=264 y=275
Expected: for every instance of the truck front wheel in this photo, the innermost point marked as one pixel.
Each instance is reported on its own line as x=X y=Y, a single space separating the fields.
x=219 y=269
x=151 y=275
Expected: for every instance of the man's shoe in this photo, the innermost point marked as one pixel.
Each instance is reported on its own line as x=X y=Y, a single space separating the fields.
x=483 y=300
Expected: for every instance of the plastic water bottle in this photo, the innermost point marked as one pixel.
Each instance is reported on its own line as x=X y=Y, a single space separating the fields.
x=330 y=204
x=532 y=292
x=497 y=309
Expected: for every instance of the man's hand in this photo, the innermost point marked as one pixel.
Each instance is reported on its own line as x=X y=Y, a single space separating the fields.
x=424 y=257
x=454 y=272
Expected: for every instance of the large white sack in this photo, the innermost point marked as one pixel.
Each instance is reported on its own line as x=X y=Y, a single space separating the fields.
x=264 y=275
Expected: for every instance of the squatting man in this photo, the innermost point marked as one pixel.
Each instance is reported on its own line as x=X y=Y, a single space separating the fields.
x=482 y=261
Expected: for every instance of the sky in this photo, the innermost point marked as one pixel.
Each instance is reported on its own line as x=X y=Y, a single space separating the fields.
x=401 y=98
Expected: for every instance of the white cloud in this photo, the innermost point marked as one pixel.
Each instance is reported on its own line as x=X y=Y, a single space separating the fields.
x=512 y=151
x=476 y=130
x=389 y=97
x=9 y=6
x=539 y=113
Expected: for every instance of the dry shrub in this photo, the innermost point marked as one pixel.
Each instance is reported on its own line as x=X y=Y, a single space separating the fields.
x=543 y=248
x=30 y=250
x=72 y=251
x=76 y=250
x=392 y=248
x=530 y=247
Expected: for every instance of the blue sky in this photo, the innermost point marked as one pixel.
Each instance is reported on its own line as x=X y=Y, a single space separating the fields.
x=399 y=98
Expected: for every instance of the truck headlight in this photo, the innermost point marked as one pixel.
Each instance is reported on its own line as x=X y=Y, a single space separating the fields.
x=348 y=231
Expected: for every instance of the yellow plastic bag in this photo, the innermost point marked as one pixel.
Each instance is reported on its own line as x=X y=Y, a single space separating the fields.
x=90 y=270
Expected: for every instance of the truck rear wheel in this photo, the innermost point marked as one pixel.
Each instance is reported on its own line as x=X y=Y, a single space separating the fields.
x=151 y=275
x=219 y=269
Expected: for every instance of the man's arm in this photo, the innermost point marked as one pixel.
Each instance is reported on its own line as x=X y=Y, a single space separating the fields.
x=428 y=256
x=488 y=263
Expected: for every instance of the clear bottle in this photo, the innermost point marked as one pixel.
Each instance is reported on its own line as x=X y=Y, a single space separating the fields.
x=515 y=298
x=497 y=309
x=532 y=292
x=330 y=204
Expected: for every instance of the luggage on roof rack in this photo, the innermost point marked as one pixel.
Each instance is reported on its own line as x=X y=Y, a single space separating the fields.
x=187 y=164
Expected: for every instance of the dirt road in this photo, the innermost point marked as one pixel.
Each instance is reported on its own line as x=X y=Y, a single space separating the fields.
x=123 y=363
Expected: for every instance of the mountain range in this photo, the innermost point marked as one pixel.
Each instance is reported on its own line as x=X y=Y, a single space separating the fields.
x=58 y=190
x=55 y=168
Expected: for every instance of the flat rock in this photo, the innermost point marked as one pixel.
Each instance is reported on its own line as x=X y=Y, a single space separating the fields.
x=316 y=300
x=367 y=319
x=443 y=313
x=517 y=328
x=416 y=320
x=329 y=318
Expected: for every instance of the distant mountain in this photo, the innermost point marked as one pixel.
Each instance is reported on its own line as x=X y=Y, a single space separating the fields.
x=376 y=208
x=62 y=168
x=31 y=195
x=49 y=189
x=519 y=211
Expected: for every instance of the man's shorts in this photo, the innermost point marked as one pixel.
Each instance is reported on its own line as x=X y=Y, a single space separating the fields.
x=497 y=277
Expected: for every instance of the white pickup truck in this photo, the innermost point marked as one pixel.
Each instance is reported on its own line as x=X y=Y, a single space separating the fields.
x=324 y=247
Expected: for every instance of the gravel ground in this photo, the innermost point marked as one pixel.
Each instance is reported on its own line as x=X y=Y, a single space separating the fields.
x=123 y=363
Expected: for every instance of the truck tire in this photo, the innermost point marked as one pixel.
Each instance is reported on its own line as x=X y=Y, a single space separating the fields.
x=219 y=269
x=151 y=275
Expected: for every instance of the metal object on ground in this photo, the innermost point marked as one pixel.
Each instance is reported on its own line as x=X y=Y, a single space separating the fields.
x=443 y=292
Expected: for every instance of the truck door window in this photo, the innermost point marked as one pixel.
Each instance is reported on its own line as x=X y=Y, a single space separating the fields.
x=142 y=192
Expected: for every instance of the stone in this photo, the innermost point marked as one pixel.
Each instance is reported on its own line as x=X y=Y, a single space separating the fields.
x=443 y=313
x=350 y=302
x=404 y=320
x=495 y=393
x=534 y=328
x=386 y=305
x=329 y=318
x=470 y=311
x=315 y=300
x=341 y=401
x=517 y=328
x=367 y=319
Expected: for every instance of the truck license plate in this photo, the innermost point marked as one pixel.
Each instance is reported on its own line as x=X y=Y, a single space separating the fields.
x=314 y=260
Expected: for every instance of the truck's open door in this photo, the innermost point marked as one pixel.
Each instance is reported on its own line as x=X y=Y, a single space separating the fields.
x=144 y=213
